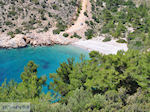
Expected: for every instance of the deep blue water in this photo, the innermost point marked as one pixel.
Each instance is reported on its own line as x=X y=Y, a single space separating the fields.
x=12 y=61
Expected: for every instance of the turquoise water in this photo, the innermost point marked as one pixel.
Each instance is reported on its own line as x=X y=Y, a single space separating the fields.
x=12 y=61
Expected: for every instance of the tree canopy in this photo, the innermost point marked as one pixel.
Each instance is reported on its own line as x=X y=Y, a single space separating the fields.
x=104 y=83
x=112 y=78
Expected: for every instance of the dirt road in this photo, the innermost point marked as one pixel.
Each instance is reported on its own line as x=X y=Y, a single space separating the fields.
x=80 y=22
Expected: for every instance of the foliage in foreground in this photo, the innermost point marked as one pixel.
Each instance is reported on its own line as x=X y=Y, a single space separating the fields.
x=118 y=82
x=104 y=83
x=29 y=90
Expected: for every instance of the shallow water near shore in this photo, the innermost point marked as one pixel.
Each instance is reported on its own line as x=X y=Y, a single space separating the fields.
x=12 y=61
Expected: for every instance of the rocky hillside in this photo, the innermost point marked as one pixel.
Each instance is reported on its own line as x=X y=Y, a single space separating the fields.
x=23 y=16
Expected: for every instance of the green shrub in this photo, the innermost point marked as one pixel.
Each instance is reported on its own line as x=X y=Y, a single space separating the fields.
x=87 y=22
x=61 y=26
x=11 y=34
x=65 y=34
x=72 y=36
x=8 y=23
x=49 y=14
x=116 y=34
x=17 y=31
x=121 y=41
x=95 y=19
x=57 y=31
x=138 y=43
x=79 y=8
x=91 y=23
x=105 y=30
x=85 y=14
x=13 y=13
x=77 y=36
x=36 y=2
x=55 y=7
x=107 y=39
x=89 y=33
x=2 y=3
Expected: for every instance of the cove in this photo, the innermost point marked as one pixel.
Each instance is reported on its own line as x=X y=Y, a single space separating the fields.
x=12 y=61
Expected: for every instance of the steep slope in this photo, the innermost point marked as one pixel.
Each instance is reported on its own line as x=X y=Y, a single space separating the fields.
x=23 y=16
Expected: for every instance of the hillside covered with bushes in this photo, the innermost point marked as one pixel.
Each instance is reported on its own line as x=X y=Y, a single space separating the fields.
x=23 y=16
x=126 y=20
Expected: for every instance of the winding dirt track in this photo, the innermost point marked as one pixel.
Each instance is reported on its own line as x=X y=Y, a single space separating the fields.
x=80 y=22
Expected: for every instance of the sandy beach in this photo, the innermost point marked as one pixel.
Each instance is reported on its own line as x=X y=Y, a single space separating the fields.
x=97 y=44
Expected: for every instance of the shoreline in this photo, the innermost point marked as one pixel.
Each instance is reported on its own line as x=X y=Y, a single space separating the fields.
x=34 y=39
x=81 y=47
x=95 y=44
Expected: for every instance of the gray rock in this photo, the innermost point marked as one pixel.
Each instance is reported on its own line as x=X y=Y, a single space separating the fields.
x=17 y=41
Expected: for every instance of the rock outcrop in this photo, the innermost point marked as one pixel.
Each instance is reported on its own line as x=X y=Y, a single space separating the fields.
x=33 y=39
x=8 y=42
x=38 y=39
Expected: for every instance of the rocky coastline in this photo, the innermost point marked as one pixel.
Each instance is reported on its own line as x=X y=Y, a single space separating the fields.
x=48 y=39
x=33 y=39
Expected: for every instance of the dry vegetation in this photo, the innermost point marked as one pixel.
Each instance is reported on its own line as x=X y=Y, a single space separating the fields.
x=23 y=16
